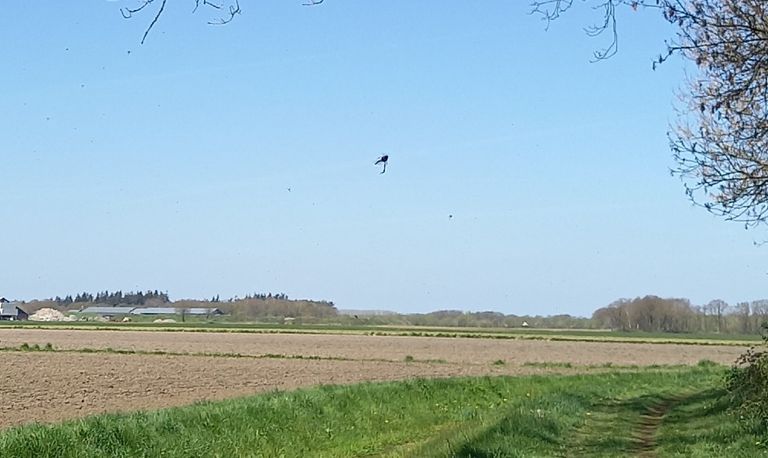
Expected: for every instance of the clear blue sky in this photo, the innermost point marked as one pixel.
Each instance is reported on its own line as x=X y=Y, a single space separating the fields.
x=168 y=167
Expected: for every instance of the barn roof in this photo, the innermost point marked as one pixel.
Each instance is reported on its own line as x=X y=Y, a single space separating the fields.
x=9 y=309
x=203 y=311
x=154 y=311
x=108 y=310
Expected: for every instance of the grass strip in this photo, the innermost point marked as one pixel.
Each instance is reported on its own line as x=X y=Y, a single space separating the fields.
x=487 y=416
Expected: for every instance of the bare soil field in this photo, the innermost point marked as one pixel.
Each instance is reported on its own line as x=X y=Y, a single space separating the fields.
x=58 y=385
x=388 y=348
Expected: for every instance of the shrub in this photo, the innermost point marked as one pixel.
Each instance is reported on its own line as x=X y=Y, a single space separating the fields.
x=747 y=385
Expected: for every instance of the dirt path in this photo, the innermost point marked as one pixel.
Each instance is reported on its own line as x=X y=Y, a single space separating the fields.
x=644 y=436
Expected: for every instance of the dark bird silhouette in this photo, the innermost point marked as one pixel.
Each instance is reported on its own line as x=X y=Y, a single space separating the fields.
x=382 y=160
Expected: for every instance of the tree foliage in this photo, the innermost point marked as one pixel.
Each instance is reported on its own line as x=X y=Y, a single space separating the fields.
x=747 y=385
x=656 y=314
x=721 y=140
x=649 y=313
x=115 y=298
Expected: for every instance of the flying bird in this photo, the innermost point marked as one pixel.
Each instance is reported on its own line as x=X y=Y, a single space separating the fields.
x=382 y=160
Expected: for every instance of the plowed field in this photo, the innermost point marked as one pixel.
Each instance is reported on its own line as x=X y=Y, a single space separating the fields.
x=51 y=386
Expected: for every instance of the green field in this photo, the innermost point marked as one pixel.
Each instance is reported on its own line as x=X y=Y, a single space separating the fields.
x=584 y=415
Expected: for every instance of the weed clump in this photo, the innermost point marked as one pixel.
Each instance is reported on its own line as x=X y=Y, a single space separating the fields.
x=707 y=363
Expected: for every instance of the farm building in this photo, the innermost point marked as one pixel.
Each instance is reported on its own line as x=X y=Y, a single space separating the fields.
x=107 y=312
x=153 y=311
x=10 y=311
x=203 y=311
x=111 y=312
x=196 y=311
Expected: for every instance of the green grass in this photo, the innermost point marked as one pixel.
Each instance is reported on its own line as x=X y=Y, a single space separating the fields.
x=701 y=425
x=593 y=414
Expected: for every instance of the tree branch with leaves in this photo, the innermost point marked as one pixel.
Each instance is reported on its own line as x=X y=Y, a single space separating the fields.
x=720 y=140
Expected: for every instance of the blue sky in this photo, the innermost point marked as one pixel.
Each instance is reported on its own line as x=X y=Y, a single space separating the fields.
x=167 y=165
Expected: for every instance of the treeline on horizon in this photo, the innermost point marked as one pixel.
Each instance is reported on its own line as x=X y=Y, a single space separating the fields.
x=113 y=298
x=254 y=306
x=143 y=298
x=647 y=314
x=656 y=314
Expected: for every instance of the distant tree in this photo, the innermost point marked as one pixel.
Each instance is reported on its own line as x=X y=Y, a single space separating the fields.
x=649 y=313
x=718 y=307
x=745 y=318
x=759 y=313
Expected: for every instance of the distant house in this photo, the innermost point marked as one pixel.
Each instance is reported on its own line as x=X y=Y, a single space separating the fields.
x=10 y=311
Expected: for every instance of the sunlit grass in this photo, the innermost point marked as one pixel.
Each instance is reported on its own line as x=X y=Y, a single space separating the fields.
x=489 y=416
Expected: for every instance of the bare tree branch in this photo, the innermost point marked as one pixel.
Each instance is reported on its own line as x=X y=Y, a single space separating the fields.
x=550 y=10
x=154 y=21
x=127 y=12
x=206 y=3
x=233 y=9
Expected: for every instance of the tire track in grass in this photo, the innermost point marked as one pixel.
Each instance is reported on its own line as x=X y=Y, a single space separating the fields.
x=623 y=427
x=644 y=435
